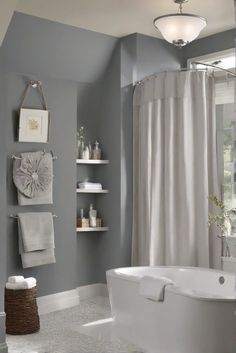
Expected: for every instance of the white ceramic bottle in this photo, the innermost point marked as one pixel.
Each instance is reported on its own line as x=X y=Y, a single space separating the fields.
x=97 y=153
x=92 y=216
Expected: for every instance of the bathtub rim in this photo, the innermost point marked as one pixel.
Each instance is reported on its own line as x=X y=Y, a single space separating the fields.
x=177 y=290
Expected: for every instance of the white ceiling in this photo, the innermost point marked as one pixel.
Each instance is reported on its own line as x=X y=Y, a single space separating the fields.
x=118 y=17
x=123 y=17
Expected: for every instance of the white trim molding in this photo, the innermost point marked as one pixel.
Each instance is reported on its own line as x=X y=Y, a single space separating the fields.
x=57 y=301
x=3 y=345
x=92 y=290
x=70 y=298
x=3 y=348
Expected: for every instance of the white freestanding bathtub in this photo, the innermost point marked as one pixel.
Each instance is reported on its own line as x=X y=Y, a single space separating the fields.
x=198 y=314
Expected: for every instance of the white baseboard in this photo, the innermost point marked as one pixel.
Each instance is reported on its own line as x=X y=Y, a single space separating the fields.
x=3 y=345
x=68 y=299
x=3 y=348
x=57 y=301
x=92 y=290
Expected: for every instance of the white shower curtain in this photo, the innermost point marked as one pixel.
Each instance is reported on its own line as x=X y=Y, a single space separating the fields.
x=174 y=169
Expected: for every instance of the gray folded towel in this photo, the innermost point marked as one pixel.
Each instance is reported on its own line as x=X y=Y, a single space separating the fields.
x=33 y=177
x=36 y=239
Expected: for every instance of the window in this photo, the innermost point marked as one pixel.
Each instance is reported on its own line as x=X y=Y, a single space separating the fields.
x=225 y=121
x=226 y=140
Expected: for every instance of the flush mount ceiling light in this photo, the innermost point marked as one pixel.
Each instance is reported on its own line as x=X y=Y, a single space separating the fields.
x=180 y=28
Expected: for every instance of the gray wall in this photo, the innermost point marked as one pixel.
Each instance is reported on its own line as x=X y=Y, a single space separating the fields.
x=41 y=47
x=88 y=80
x=88 y=105
x=2 y=201
x=69 y=61
x=156 y=55
x=129 y=75
x=217 y=42
x=61 y=97
x=2 y=183
x=109 y=246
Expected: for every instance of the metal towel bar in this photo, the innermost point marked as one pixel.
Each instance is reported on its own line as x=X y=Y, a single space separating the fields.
x=53 y=157
x=16 y=217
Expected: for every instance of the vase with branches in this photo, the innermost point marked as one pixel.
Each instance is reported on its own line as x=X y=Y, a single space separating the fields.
x=80 y=142
x=222 y=221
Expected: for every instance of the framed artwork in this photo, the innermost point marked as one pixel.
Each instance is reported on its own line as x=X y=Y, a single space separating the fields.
x=34 y=125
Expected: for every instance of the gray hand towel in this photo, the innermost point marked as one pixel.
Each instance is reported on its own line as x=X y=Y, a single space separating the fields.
x=33 y=177
x=36 y=230
x=36 y=239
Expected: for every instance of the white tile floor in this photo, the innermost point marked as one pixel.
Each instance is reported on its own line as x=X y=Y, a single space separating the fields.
x=82 y=329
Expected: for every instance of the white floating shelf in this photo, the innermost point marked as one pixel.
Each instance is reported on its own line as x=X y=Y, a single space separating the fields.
x=84 y=191
x=91 y=229
x=92 y=161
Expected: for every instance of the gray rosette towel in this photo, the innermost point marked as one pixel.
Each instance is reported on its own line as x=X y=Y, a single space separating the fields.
x=33 y=176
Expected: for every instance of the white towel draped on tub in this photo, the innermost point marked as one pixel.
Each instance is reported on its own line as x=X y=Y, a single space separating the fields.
x=36 y=239
x=154 y=287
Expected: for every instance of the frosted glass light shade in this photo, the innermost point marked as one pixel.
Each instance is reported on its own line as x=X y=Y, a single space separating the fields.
x=180 y=29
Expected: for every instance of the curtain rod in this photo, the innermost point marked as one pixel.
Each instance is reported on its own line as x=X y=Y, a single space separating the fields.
x=231 y=73
x=214 y=66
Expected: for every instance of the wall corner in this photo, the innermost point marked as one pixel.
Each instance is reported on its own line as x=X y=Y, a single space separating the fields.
x=3 y=345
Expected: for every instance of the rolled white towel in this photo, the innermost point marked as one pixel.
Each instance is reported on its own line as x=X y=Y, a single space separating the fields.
x=30 y=282
x=27 y=283
x=15 y=279
x=15 y=286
